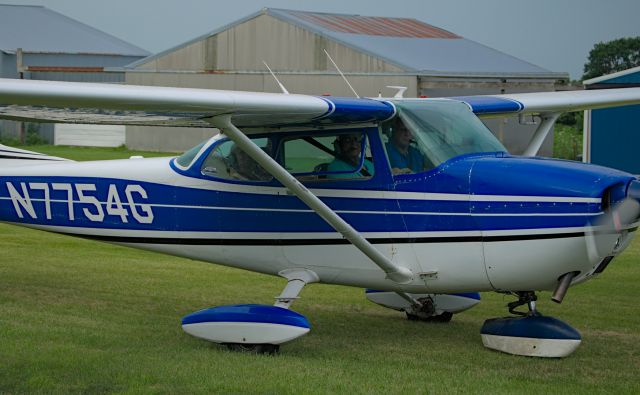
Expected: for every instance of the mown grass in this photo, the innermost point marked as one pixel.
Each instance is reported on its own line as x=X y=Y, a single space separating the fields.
x=81 y=316
x=78 y=316
x=92 y=153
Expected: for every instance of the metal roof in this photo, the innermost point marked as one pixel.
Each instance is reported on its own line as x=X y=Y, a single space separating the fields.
x=39 y=29
x=374 y=26
x=410 y=44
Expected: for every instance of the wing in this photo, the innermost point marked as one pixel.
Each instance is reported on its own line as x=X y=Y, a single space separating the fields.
x=68 y=102
x=550 y=102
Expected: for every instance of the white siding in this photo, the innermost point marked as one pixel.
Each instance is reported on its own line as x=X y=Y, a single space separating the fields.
x=89 y=135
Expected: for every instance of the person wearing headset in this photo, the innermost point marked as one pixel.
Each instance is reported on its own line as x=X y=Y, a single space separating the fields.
x=403 y=157
x=348 y=149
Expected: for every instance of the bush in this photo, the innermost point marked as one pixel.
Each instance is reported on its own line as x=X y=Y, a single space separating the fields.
x=567 y=142
x=32 y=137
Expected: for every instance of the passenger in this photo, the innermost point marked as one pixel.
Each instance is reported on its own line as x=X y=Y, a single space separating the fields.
x=348 y=150
x=243 y=167
x=403 y=157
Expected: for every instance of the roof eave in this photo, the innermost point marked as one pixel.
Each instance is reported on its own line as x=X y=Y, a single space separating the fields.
x=607 y=77
x=484 y=74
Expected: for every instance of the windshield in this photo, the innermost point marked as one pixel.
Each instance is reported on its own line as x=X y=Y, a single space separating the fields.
x=443 y=129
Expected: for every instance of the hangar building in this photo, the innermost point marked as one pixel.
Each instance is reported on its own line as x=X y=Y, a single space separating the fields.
x=612 y=135
x=373 y=52
x=41 y=44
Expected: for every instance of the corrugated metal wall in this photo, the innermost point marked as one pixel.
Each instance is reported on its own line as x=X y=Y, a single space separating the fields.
x=240 y=51
x=246 y=45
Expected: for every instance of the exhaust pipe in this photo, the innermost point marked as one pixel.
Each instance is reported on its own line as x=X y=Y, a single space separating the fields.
x=563 y=286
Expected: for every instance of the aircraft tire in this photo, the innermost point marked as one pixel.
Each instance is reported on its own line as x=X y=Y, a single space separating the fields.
x=270 y=349
x=444 y=317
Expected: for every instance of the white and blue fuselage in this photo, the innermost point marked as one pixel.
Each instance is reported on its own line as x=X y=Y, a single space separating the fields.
x=475 y=223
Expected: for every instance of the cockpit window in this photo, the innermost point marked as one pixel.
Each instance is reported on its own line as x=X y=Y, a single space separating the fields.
x=185 y=159
x=312 y=156
x=428 y=133
x=337 y=156
x=228 y=161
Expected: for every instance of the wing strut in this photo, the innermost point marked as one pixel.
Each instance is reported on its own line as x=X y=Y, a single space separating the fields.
x=396 y=273
x=548 y=120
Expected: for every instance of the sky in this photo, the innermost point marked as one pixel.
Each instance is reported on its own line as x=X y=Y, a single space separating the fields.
x=554 y=34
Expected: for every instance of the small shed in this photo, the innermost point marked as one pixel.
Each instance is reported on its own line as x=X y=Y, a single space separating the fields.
x=40 y=44
x=612 y=135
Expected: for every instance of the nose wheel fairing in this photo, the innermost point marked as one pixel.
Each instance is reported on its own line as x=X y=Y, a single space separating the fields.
x=529 y=334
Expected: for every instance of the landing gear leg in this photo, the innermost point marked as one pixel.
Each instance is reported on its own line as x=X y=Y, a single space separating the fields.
x=528 y=298
x=423 y=309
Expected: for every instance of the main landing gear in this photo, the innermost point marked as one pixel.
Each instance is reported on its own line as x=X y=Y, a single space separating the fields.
x=530 y=333
x=255 y=328
x=425 y=307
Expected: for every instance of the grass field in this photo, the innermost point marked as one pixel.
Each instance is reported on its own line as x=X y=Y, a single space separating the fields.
x=92 y=153
x=78 y=316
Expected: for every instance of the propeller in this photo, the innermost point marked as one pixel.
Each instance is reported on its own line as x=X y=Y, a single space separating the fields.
x=608 y=231
x=604 y=239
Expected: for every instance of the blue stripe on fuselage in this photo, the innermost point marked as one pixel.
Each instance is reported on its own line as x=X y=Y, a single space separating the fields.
x=190 y=209
x=460 y=181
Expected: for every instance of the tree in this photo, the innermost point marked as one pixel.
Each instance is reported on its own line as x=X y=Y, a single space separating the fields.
x=612 y=56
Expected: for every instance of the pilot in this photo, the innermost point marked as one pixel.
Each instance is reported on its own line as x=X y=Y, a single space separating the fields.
x=348 y=148
x=243 y=167
x=403 y=157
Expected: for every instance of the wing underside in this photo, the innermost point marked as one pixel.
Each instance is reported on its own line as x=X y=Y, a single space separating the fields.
x=67 y=102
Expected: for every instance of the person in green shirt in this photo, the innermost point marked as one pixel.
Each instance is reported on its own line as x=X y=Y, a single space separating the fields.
x=348 y=151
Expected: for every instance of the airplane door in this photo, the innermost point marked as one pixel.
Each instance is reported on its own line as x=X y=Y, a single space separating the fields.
x=441 y=233
x=358 y=192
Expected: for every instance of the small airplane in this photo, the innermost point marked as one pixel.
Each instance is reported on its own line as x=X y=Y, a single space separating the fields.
x=412 y=199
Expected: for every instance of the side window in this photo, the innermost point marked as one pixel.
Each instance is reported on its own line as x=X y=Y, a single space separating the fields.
x=336 y=156
x=228 y=161
x=405 y=154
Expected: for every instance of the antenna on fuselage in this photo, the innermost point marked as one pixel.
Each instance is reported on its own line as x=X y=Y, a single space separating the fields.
x=282 y=88
x=340 y=71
